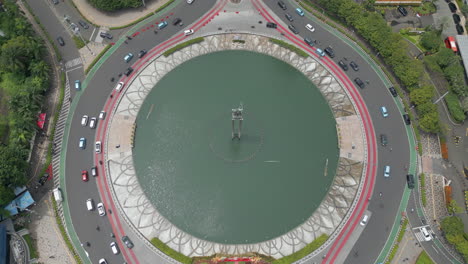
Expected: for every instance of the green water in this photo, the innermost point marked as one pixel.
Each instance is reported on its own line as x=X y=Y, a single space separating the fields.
x=235 y=191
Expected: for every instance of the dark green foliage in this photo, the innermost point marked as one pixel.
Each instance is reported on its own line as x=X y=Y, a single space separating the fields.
x=454 y=107
x=112 y=5
x=431 y=41
x=454 y=233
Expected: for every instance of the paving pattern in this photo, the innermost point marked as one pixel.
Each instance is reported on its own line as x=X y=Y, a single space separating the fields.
x=141 y=214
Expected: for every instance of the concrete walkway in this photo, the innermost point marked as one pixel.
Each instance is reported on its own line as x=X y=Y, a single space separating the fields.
x=117 y=18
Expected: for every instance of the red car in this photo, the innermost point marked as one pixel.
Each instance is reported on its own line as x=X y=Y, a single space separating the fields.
x=84 y=175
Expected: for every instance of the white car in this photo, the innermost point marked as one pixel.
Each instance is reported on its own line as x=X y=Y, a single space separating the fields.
x=310 y=27
x=102 y=115
x=114 y=248
x=386 y=172
x=92 y=122
x=364 y=220
x=94 y=172
x=119 y=86
x=101 y=209
x=84 y=120
x=190 y=1
x=97 y=147
x=188 y=32
x=102 y=261
x=426 y=234
x=90 y=204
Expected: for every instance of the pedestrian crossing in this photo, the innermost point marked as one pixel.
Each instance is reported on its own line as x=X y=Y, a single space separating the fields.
x=72 y=63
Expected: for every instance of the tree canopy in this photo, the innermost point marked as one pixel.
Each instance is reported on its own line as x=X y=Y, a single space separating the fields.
x=113 y=5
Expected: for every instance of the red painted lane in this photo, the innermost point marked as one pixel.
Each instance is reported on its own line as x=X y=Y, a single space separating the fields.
x=110 y=103
x=369 y=132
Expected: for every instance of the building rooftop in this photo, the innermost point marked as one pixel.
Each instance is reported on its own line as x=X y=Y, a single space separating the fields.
x=462 y=42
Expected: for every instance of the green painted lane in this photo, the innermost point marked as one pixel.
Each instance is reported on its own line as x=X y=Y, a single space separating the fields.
x=441 y=247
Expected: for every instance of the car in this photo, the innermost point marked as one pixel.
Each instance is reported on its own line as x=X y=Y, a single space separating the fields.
x=407 y=119
x=456 y=19
x=271 y=25
x=190 y=2
x=114 y=248
x=119 y=86
x=97 y=147
x=459 y=29
x=142 y=53
x=299 y=11
x=176 y=21
x=309 y=42
x=282 y=5
x=128 y=71
x=383 y=140
x=60 y=41
x=82 y=143
x=289 y=17
x=55 y=2
x=92 y=122
x=127 y=241
x=128 y=57
x=84 y=175
x=425 y=234
x=310 y=27
x=84 y=120
x=101 y=209
x=386 y=173
x=359 y=83
x=102 y=261
x=77 y=85
x=90 y=204
x=343 y=65
x=102 y=115
x=452 y=7
x=402 y=11
x=330 y=52
x=293 y=29
x=354 y=66
x=162 y=25
x=83 y=24
x=384 y=111
x=188 y=32
x=393 y=91
x=74 y=27
x=94 y=171
x=320 y=52
x=410 y=181
x=105 y=35
x=364 y=220
x=42 y=180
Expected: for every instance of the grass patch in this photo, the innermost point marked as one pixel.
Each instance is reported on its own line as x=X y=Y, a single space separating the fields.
x=183 y=45
x=145 y=17
x=79 y=43
x=170 y=252
x=32 y=246
x=425 y=8
x=394 y=250
x=454 y=107
x=422 y=181
x=424 y=259
x=290 y=47
x=303 y=252
x=98 y=57
x=238 y=41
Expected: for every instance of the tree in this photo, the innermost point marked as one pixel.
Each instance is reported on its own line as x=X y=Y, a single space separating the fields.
x=465 y=104
x=452 y=225
x=40 y=69
x=446 y=57
x=431 y=41
x=13 y=166
x=426 y=108
x=6 y=196
x=422 y=95
x=454 y=208
x=430 y=122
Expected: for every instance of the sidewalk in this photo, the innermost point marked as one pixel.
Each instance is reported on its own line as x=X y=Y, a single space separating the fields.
x=117 y=18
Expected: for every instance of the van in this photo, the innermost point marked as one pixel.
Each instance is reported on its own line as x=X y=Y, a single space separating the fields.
x=119 y=86
x=114 y=248
x=407 y=119
x=364 y=220
x=57 y=195
x=410 y=181
x=90 y=204
x=425 y=234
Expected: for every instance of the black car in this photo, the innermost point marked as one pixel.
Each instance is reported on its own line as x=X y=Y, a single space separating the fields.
x=330 y=52
x=142 y=53
x=354 y=66
x=289 y=17
x=282 y=5
x=410 y=180
x=402 y=11
x=55 y=2
x=293 y=29
x=459 y=29
x=61 y=41
x=127 y=242
x=407 y=119
x=393 y=91
x=128 y=71
x=105 y=35
x=456 y=18
x=176 y=21
x=383 y=140
x=359 y=83
x=271 y=25
x=83 y=24
x=343 y=65
x=452 y=7
x=309 y=42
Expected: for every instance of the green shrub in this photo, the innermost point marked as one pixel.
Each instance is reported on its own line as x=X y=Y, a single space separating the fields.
x=425 y=8
x=290 y=47
x=183 y=45
x=32 y=246
x=238 y=41
x=170 y=252
x=98 y=57
x=422 y=181
x=303 y=252
x=394 y=250
x=78 y=42
x=113 y=5
x=454 y=107
x=145 y=17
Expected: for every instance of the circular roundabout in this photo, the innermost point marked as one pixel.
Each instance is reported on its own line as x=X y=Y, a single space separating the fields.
x=185 y=170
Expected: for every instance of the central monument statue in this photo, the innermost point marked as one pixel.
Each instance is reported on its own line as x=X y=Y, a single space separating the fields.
x=237 y=115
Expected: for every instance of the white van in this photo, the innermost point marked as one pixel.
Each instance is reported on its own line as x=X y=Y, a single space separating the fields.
x=90 y=204
x=364 y=220
x=426 y=234
x=119 y=86
x=57 y=195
